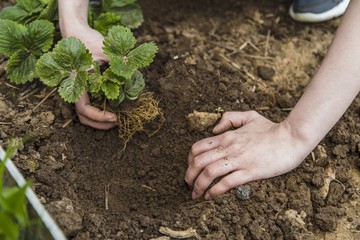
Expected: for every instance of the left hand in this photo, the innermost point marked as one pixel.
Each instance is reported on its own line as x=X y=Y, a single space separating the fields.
x=257 y=149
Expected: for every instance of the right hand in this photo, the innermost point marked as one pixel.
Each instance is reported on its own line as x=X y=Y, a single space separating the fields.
x=89 y=115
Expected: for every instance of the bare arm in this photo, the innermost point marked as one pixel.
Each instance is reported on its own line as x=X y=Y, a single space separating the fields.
x=73 y=20
x=259 y=148
x=334 y=86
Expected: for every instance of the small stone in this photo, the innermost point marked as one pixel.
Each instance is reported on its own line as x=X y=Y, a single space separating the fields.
x=243 y=192
x=266 y=73
x=200 y=121
x=64 y=214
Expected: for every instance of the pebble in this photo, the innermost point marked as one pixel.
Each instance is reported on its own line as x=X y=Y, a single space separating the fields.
x=243 y=192
x=266 y=73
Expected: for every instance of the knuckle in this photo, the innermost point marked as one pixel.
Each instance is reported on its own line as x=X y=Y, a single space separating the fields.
x=198 y=186
x=226 y=183
x=209 y=172
x=197 y=162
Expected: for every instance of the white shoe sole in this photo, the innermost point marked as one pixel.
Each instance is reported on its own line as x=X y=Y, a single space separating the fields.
x=320 y=17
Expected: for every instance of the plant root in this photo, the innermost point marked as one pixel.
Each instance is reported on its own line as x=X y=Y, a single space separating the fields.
x=134 y=120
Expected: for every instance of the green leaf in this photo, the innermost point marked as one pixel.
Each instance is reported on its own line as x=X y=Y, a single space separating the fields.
x=108 y=5
x=41 y=34
x=11 y=37
x=131 y=15
x=24 y=44
x=66 y=65
x=111 y=90
x=13 y=201
x=50 y=11
x=21 y=67
x=72 y=87
x=50 y=72
x=118 y=47
x=24 y=11
x=119 y=42
x=105 y=21
x=8 y=228
x=143 y=55
x=134 y=86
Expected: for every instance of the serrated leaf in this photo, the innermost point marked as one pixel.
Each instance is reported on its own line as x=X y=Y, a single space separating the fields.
x=71 y=88
x=66 y=65
x=124 y=61
x=143 y=55
x=134 y=86
x=41 y=35
x=119 y=42
x=105 y=21
x=11 y=37
x=24 y=11
x=14 y=13
x=30 y=5
x=21 y=67
x=111 y=90
x=50 y=72
x=50 y=11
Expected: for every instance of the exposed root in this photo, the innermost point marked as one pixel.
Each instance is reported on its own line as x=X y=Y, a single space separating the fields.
x=133 y=120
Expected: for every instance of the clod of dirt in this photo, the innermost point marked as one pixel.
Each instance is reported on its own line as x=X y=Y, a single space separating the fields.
x=4 y=106
x=243 y=192
x=292 y=223
x=47 y=117
x=64 y=214
x=266 y=73
x=200 y=121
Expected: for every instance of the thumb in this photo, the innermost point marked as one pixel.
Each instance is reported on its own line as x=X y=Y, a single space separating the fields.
x=233 y=120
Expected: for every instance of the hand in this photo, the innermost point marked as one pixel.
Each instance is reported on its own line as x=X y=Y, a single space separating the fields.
x=257 y=149
x=93 y=40
x=92 y=116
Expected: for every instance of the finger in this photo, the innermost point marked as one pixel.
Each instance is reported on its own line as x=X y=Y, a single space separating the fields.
x=233 y=120
x=210 y=173
x=202 y=146
x=84 y=108
x=228 y=182
x=202 y=161
x=97 y=125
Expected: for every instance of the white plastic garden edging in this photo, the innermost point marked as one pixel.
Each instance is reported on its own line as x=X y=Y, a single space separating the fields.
x=33 y=200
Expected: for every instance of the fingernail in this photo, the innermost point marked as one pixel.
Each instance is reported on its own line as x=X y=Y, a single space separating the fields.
x=207 y=196
x=194 y=195
x=113 y=118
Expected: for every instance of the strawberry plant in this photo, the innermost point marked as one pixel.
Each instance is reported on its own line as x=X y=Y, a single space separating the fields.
x=23 y=45
x=27 y=39
x=26 y=11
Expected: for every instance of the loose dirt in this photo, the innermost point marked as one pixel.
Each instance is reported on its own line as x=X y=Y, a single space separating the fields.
x=213 y=55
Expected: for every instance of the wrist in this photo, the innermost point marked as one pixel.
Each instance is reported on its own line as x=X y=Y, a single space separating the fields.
x=301 y=135
x=73 y=16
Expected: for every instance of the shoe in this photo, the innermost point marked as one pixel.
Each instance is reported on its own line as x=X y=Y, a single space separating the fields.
x=317 y=10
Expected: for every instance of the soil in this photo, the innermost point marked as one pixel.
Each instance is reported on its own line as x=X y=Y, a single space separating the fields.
x=213 y=55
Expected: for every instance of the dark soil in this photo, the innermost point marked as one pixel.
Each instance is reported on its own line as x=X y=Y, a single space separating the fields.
x=231 y=55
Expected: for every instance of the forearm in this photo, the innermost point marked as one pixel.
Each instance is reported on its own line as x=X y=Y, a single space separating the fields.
x=73 y=14
x=334 y=86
